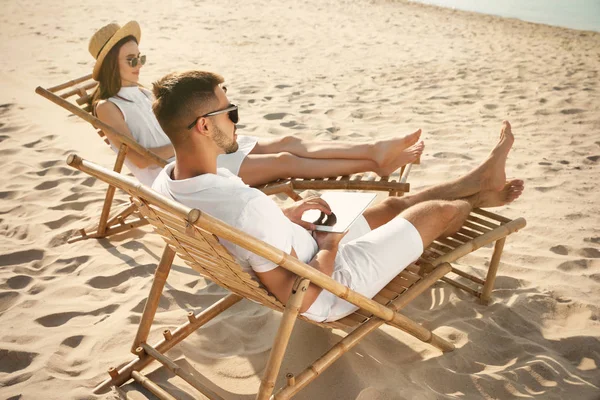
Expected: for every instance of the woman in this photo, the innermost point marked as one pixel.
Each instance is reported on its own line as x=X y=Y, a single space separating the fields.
x=122 y=103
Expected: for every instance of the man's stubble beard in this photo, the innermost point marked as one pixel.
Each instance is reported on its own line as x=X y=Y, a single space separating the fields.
x=221 y=139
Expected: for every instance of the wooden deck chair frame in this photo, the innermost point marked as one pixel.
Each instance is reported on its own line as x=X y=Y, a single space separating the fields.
x=193 y=236
x=79 y=90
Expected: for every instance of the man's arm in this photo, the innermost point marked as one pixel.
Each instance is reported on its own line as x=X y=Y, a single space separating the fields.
x=279 y=281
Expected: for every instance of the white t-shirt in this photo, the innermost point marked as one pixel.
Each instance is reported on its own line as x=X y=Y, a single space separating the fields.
x=135 y=104
x=226 y=197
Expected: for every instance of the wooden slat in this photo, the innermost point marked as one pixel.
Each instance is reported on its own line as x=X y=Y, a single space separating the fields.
x=78 y=90
x=69 y=83
x=483 y=222
x=468 y=232
x=476 y=227
x=492 y=215
x=436 y=245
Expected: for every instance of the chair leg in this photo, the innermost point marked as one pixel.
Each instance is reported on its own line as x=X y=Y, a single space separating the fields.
x=160 y=278
x=282 y=338
x=119 y=377
x=486 y=292
x=354 y=337
x=110 y=193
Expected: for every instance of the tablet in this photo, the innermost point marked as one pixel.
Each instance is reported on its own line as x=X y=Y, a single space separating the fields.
x=346 y=207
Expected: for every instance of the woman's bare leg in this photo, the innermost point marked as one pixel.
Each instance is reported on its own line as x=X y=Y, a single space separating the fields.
x=259 y=169
x=388 y=155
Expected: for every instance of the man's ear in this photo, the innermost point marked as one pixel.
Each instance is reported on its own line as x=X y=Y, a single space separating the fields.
x=202 y=126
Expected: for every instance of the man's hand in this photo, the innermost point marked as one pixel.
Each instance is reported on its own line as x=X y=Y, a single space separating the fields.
x=328 y=240
x=295 y=211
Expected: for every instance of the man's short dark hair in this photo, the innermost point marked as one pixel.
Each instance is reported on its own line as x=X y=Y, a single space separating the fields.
x=181 y=97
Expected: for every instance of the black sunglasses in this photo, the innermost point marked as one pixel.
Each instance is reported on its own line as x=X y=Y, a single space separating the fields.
x=232 y=112
x=133 y=62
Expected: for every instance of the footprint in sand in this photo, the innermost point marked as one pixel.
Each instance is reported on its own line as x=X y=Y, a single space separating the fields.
x=21 y=257
x=595 y=240
x=74 y=205
x=274 y=116
x=73 y=341
x=7 y=299
x=19 y=281
x=570 y=111
x=12 y=361
x=47 y=185
x=69 y=265
x=58 y=319
x=163 y=304
x=111 y=281
x=63 y=171
x=560 y=249
x=575 y=266
x=8 y=195
x=451 y=155
x=59 y=223
x=589 y=252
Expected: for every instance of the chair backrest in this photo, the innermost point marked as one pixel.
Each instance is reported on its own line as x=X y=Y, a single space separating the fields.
x=76 y=96
x=196 y=245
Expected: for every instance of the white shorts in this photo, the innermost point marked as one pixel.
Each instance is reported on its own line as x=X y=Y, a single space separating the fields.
x=367 y=264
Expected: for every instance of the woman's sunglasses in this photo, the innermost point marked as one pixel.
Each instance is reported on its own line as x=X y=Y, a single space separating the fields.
x=133 y=62
x=232 y=112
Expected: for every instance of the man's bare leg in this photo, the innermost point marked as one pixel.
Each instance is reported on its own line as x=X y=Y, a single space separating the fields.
x=437 y=218
x=482 y=179
x=393 y=206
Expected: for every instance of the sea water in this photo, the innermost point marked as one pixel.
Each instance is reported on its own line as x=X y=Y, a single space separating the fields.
x=574 y=14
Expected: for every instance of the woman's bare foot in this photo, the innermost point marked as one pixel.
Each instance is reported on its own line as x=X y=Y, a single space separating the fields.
x=496 y=198
x=407 y=156
x=387 y=152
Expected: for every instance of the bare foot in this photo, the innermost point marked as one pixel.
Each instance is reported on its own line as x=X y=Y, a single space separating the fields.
x=410 y=155
x=489 y=175
x=386 y=152
x=493 y=175
x=492 y=198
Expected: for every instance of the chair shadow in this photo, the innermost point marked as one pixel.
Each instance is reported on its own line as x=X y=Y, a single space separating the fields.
x=502 y=351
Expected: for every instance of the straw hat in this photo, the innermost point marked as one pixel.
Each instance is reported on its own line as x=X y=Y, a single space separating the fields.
x=105 y=39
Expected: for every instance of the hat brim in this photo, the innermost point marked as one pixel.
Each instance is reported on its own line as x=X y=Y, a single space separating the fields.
x=132 y=28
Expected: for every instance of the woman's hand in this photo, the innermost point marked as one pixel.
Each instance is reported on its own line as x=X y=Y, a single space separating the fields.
x=295 y=211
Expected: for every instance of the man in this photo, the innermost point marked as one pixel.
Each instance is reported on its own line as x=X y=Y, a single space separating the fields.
x=379 y=245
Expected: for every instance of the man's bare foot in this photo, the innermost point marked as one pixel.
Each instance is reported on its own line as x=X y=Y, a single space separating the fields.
x=386 y=151
x=490 y=174
x=493 y=170
x=496 y=198
x=407 y=156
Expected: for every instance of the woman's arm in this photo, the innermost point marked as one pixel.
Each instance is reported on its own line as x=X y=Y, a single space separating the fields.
x=109 y=113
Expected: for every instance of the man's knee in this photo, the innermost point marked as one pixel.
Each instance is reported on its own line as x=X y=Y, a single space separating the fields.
x=446 y=210
x=397 y=204
x=439 y=209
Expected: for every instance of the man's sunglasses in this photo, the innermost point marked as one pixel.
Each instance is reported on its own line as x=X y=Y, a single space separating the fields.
x=133 y=62
x=232 y=112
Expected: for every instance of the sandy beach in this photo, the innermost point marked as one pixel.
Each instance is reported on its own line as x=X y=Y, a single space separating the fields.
x=332 y=70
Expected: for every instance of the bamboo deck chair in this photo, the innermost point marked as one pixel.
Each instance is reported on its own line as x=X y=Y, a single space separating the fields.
x=75 y=96
x=194 y=237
